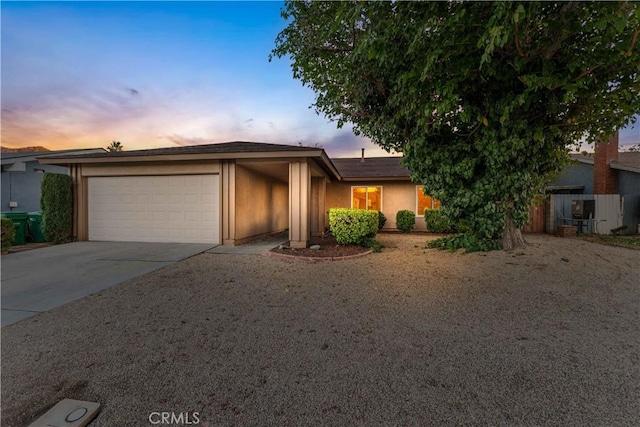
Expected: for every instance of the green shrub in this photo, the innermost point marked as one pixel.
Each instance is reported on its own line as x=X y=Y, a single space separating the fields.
x=405 y=220
x=372 y=244
x=469 y=242
x=57 y=207
x=436 y=222
x=8 y=232
x=353 y=225
x=382 y=220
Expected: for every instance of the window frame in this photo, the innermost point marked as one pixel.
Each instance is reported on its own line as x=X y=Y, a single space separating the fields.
x=367 y=195
x=421 y=214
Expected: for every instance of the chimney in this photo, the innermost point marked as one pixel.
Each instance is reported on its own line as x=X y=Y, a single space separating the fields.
x=362 y=158
x=605 y=179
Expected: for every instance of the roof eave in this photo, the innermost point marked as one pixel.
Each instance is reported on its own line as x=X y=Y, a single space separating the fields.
x=624 y=167
x=181 y=157
x=376 y=178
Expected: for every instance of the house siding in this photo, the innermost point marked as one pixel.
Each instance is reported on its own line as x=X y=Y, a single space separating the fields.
x=24 y=186
x=396 y=196
x=261 y=204
x=629 y=188
x=577 y=174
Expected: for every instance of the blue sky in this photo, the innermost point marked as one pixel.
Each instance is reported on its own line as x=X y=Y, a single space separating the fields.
x=156 y=74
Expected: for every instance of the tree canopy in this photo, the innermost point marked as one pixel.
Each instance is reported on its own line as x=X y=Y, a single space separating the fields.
x=115 y=146
x=483 y=99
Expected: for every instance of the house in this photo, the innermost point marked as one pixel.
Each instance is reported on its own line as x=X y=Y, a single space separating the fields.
x=22 y=174
x=228 y=193
x=607 y=171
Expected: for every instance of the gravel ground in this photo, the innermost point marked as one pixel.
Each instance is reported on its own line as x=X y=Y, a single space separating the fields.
x=545 y=336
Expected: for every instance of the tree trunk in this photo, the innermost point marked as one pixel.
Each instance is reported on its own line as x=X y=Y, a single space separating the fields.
x=511 y=237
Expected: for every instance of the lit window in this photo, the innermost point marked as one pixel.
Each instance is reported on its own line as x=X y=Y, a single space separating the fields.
x=369 y=198
x=425 y=202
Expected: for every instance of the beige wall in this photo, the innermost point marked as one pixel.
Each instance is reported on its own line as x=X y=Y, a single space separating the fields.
x=396 y=196
x=261 y=204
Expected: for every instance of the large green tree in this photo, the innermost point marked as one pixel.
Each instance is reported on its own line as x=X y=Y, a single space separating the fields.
x=483 y=99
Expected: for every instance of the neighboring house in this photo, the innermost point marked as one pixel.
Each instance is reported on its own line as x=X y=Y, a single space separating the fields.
x=22 y=174
x=228 y=193
x=607 y=171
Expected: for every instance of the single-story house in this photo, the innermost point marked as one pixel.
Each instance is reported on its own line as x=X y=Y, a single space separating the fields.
x=22 y=174
x=229 y=193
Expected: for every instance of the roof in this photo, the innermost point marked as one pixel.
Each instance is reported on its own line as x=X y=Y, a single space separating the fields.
x=32 y=156
x=219 y=151
x=627 y=161
x=371 y=168
x=219 y=148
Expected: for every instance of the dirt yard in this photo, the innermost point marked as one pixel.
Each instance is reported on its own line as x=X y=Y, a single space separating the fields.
x=549 y=335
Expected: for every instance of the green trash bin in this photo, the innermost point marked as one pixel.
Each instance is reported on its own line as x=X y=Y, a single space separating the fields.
x=20 y=220
x=35 y=227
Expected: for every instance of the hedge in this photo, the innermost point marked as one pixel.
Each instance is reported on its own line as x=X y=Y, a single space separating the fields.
x=8 y=232
x=56 y=202
x=405 y=220
x=353 y=226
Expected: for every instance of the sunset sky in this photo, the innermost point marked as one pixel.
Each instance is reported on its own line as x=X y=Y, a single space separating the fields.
x=157 y=74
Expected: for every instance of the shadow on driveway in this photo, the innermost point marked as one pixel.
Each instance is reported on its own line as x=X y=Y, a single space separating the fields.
x=39 y=280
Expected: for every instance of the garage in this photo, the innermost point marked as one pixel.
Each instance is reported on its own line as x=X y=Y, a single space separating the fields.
x=172 y=208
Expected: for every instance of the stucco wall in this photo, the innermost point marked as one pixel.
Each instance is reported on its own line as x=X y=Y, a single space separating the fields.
x=629 y=188
x=396 y=196
x=262 y=204
x=24 y=187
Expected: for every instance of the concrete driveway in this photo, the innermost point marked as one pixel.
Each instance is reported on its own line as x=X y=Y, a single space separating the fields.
x=41 y=279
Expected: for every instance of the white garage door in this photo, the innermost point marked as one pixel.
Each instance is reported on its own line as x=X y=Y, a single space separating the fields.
x=178 y=208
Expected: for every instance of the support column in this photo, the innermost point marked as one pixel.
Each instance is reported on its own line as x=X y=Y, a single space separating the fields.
x=318 y=197
x=299 y=191
x=80 y=203
x=228 y=191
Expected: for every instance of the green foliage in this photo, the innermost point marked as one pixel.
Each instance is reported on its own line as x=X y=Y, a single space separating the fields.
x=8 y=232
x=482 y=98
x=372 y=244
x=115 y=146
x=469 y=242
x=56 y=202
x=382 y=220
x=436 y=221
x=353 y=226
x=405 y=220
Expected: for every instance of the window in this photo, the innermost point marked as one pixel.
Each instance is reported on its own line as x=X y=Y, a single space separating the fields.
x=369 y=198
x=425 y=202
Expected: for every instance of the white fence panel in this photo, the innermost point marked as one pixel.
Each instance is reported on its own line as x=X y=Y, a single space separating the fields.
x=608 y=211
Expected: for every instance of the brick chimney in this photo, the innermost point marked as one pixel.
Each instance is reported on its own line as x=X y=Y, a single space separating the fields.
x=605 y=179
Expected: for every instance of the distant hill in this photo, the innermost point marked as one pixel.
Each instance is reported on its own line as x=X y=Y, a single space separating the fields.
x=23 y=149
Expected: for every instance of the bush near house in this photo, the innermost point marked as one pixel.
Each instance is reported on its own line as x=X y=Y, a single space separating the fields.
x=56 y=202
x=8 y=231
x=353 y=226
x=436 y=222
x=382 y=220
x=405 y=220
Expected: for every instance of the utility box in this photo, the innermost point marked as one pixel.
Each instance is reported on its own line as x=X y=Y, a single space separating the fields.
x=583 y=209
